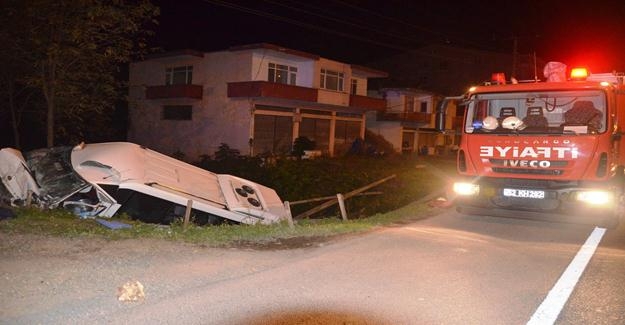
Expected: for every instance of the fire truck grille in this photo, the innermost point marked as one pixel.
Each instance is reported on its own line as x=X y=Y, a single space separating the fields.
x=528 y=171
x=550 y=203
x=509 y=182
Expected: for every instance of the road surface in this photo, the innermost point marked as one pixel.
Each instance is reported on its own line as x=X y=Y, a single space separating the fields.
x=447 y=269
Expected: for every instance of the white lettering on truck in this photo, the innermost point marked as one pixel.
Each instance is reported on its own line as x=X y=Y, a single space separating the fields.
x=528 y=152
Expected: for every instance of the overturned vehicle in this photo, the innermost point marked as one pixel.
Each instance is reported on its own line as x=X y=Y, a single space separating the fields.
x=104 y=179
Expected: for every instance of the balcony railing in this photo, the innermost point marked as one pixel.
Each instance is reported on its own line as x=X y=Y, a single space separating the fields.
x=174 y=91
x=271 y=89
x=405 y=117
x=365 y=102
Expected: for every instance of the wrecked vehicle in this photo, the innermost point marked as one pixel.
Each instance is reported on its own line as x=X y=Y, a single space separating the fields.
x=104 y=179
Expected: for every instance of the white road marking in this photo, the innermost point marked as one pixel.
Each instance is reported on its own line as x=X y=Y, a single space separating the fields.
x=548 y=311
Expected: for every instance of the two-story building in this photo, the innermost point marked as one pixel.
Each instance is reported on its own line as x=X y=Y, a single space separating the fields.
x=256 y=98
x=409 y=121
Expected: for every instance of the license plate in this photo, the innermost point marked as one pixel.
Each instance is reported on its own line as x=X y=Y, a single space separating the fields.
x=531 y=194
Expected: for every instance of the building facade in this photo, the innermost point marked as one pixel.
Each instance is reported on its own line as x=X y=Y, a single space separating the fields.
x=256 y=99
x=408 y=122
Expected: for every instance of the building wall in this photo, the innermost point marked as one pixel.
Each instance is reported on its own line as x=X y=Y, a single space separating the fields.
x=361 y=90
x=146 y=126
x=224 y=120
x=261 y=58
x=419 y=133
x=391 y=131
x=330 y=96
x=217 y=118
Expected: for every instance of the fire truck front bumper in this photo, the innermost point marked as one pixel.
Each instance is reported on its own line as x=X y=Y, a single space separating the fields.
x=577 y=205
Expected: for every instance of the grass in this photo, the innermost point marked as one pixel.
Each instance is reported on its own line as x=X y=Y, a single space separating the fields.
x=414 y=183
x=62 y=223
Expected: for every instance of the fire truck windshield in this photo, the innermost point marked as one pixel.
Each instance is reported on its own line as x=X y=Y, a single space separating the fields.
x=545 y=112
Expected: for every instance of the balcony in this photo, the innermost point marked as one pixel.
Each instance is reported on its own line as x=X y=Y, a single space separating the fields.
x=271 y=89
x=174 y=91
x=368 y=103
x=415 y=117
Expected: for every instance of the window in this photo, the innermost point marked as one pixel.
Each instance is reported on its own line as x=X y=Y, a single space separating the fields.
x=317 y=130
x=424 y=107
x=345 y=133
x=272 y=134
x=283 y=74
x=177 y=112
x=179 y=75
x=354 y=89
x=409 y=104
x=331 y=80
x=548 y=112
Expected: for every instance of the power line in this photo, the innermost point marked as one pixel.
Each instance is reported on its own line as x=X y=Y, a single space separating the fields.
x=302 y=24
x=345 y=21
x=393 y=19
x=385 y=44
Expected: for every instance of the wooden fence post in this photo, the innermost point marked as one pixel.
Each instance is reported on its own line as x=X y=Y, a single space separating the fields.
x=345 y=196
x=187 y=214
x=289 y=217
x=341 y=200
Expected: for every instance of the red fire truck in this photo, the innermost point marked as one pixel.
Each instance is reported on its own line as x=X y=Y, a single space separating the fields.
x=552 y=150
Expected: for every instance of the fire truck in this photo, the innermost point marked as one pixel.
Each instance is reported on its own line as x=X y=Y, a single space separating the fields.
x=549 y=149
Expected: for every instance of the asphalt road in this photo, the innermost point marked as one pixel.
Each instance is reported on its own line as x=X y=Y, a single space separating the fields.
x=448 y=269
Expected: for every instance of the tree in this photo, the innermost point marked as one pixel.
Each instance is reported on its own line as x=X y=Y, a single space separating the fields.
x=73 y=50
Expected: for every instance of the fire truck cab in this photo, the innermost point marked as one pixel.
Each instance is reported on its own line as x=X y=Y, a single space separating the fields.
x=552 y=150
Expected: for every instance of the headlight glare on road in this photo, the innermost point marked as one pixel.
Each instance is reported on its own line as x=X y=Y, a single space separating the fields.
x=465 y=189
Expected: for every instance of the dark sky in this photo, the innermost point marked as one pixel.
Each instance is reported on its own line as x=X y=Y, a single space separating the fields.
x=576 y=32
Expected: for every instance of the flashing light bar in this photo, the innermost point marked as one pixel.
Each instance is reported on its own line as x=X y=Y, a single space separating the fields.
x=498 y=78
x=579 y=74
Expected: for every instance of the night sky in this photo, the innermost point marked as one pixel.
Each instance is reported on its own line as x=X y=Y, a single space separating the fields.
x=590 y=33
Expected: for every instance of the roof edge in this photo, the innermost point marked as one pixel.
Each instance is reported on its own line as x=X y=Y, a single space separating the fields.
x=274 y=47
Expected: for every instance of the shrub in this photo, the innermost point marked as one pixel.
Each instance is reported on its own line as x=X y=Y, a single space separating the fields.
x=302 y=143
x=296 y=180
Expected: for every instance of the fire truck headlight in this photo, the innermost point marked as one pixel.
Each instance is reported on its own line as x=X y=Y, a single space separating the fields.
x=466 y=188
x=594 y=197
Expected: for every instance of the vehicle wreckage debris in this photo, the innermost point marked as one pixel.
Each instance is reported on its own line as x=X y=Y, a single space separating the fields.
x=113 y=224
x=100 y=180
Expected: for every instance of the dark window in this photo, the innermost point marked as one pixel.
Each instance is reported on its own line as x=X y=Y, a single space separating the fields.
x=177 y=112
x=424 y=107
x=345 y=133
x=272 y=134
x=317 y=130
x=179 y=75
x=331 y=80
x=283 y=74
x=354 y=87
x=409 y=104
